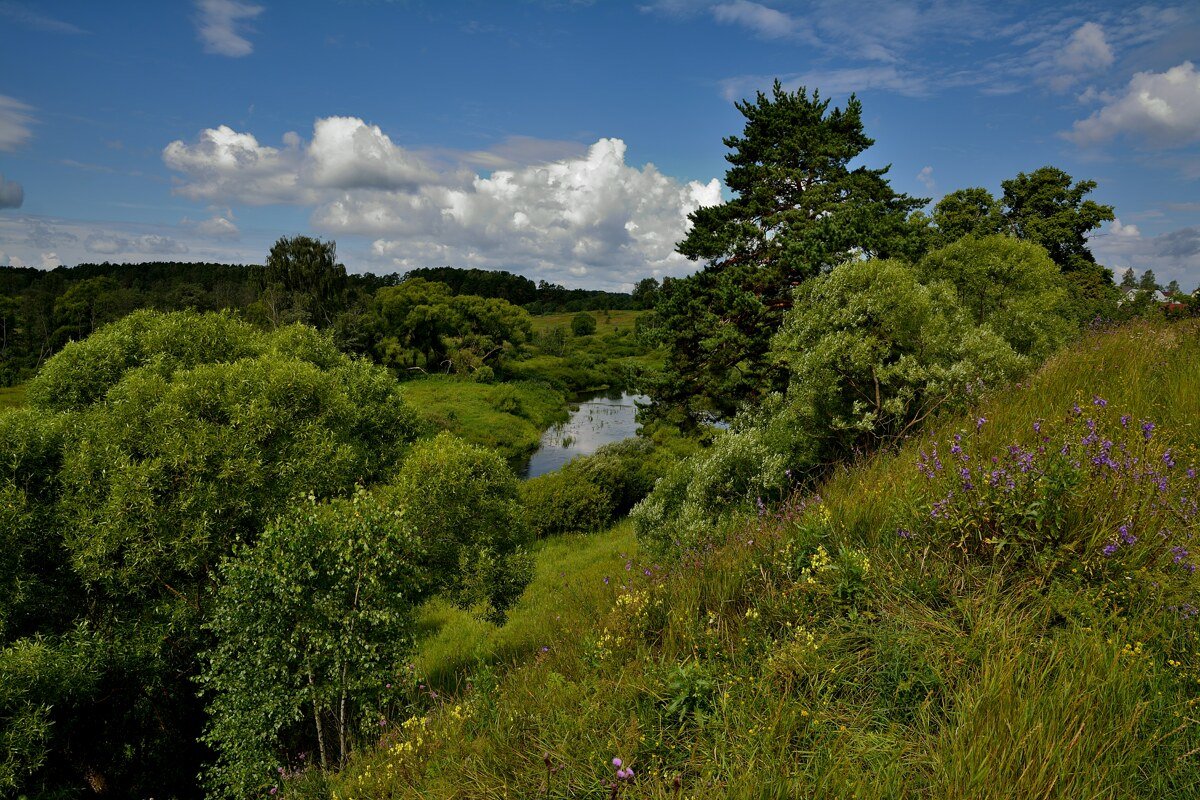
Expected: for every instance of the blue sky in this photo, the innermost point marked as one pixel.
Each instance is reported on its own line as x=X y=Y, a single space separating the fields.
x=567 y=141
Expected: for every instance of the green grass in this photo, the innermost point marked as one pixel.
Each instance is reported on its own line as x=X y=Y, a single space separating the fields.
x=608 y=357
x=508 y=417
x=12 y=396
x=816 y=653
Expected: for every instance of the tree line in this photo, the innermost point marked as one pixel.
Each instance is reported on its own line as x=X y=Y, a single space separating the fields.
x=301 y=281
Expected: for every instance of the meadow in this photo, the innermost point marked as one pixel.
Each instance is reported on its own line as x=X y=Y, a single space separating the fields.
x=1003 y=606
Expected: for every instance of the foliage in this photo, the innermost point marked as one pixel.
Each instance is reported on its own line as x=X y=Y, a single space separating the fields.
x=150 y=451
x=872 y=352
x=841 y=646
x=303 y=282
x=421 y=325
x=462 y=503
x=310 y=623
x=967 y=212
x=583 y=324
x=1046 y=208
x=506 y=417
x=1011 y=286
x=591 y=492
x=799 y=210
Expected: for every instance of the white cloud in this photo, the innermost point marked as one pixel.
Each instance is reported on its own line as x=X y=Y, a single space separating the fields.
x=12 y=194
x=1159 y=109
x=218 y=228
x=347 y=153
x=221 y=24
x=766 y=22
x=147 y=244
x=925 y=176
x=1121 y=230
x=553 y=208
x=593 y=217
x=50 y=260
x=1086 y=53
x=226 y=165
x=14 y=123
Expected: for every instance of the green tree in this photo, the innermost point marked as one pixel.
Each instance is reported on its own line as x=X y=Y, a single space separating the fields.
x=310 y=624
x=872 y=352
x=186 y=435
x=645 y=293
x=1173 y=288
x=967 y=212
x=413 y=318
x=1128 y=279
x=303 y=276
x=1011 y=286
x=462 y=502
x=1046 y=208
x=583 y=324
x=799 y=209
x=1148 y=282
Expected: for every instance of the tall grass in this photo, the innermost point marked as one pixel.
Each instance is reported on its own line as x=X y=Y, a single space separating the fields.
x=856 y=645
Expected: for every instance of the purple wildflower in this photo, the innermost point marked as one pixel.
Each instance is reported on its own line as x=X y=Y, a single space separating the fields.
x=1126 y=536
x=1124 y=420
x=1178 y=554
x=617 y=763
x=1147 y=429
x=1110 y=549
x=904 y=533
x=1037 y=426
x=979 y=423
x=1097 y=400
x=1166 y=457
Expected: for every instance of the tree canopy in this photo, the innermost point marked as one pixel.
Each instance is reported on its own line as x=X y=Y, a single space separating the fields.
x=799 y=209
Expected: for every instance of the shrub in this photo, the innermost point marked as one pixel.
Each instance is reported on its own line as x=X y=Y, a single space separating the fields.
x=310 y=624
x=583 y=324
x=562 y=502
x=462 y=501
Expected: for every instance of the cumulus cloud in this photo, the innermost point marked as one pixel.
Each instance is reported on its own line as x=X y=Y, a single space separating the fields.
x=12 y=195
x=225 y=164
x=584 y=212
x=220 y=24
x=218 y=228
x=1158 y=109
x=148 y=244
x=14 y=123
x=593 y=216
x=347 y=153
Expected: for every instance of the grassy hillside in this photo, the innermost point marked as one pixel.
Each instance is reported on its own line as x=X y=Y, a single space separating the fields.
x=508 y=417
x=1003 y=608
x=12 y=396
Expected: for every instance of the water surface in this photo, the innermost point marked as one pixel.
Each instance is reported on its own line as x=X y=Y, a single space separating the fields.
x=598 y=420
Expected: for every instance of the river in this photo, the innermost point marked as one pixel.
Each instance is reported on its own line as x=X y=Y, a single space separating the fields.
x=599 y=419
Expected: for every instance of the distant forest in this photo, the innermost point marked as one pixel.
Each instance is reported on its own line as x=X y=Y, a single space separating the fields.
x=41 y=311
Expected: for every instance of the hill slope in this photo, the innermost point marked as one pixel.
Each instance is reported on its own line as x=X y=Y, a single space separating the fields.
x=1003 y=608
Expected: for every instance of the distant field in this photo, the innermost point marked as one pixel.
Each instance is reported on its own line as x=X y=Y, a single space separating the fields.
x=606 y=321
x=12 y=396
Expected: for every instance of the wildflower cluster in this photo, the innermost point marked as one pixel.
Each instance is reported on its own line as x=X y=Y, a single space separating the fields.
x=1108 y=481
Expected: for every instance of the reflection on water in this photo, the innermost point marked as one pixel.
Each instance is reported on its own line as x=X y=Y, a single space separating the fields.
x=599 y=420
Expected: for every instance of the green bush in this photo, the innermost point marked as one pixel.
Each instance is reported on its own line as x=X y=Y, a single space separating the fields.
x=562 y=501
x=583 y=324
x=462 y=501
x=310 y=625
